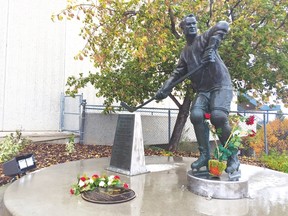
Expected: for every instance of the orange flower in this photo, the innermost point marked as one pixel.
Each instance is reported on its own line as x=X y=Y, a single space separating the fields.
x=215 y=171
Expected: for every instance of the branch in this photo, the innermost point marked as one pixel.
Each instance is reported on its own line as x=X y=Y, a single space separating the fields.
x=283 y=22
x=172 y=20
x=210 y=13
x=232 y=10
x=133 y=13
x=260 y=23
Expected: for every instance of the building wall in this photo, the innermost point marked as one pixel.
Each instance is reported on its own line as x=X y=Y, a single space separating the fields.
x=36 y=57
x=3 y=50
x=34 y=71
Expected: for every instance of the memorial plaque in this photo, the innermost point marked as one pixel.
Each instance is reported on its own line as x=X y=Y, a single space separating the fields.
x=128 y=148
x=123 y=140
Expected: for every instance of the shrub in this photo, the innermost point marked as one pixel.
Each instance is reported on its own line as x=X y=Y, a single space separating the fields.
x=70 y=145
x=276 y=161
x=12 y=145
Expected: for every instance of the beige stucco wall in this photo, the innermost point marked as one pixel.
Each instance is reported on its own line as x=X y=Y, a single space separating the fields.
x=36 y=56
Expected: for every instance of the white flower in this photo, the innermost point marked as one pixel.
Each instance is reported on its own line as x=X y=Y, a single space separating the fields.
x=91 y=181
x=109 y=183
x=236 y=132
x=81 y=183
x=111 y=178
x=102 y=184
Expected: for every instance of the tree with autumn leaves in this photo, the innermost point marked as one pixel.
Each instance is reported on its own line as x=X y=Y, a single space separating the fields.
x=135 y=44
x=277 y=137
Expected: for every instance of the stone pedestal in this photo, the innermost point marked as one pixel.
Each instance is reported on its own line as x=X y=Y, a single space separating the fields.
x=217 y=188
x=128 y=156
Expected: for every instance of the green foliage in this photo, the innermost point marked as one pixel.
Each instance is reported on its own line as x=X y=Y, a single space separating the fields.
x=223 y=151
x=161 y=151
x=166 y=153
x=11 y=145
x=222 y=154
x=258 y=29
x=135 y=44
x=70 y=145
x=276 y=161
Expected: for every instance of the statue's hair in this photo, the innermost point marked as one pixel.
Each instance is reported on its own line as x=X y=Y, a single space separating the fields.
x=182 y=23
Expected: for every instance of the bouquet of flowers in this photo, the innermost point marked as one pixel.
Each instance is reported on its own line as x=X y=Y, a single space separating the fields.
x=86 y=183
x=233 y=143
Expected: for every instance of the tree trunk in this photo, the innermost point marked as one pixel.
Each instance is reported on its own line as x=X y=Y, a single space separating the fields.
x=180 y=123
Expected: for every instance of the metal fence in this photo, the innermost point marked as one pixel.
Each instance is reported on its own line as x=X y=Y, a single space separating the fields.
x=262 y=118
x=70 y=113
x=157 y=123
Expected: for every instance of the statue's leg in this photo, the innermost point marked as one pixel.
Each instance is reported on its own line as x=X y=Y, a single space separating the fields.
x=220 y=119
x=201 y=131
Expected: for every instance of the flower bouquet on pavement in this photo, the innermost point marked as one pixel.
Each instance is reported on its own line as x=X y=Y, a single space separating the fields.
x=86 y=183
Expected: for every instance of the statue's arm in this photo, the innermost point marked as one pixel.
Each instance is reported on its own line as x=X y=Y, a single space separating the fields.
x=166 y=89
x=215 y=36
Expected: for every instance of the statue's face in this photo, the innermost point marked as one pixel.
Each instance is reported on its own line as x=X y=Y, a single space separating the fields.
x=190 y=28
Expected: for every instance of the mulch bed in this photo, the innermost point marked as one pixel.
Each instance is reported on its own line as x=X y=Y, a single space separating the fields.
x=50 y=154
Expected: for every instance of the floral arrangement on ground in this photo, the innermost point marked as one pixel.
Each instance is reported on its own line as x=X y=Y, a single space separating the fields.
x=86 y=183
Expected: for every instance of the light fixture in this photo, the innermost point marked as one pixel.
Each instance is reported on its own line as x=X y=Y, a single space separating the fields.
x=19 y=165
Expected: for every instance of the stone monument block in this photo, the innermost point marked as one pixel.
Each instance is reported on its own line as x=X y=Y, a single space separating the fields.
x=128 y=155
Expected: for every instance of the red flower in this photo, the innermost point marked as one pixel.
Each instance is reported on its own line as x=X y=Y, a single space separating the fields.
x=250 y=120
x=125 y=185
x=71 y=191
x=83 y=178
x=116 y=177
x=252 y=133
x=207 y=115
x=95 y=176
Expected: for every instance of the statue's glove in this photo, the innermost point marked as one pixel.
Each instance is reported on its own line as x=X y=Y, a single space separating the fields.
x=209 y=55
x=160 y=95
x=166 y=89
